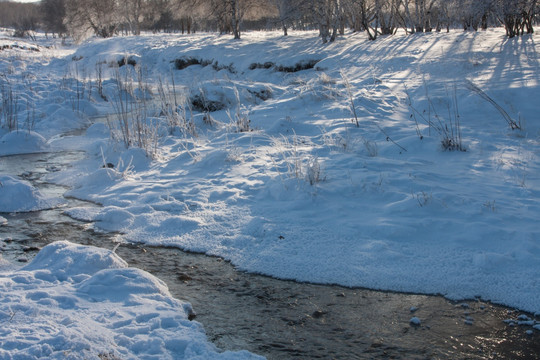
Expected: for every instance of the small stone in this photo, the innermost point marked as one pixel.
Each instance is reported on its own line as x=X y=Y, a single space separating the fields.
x=413 y=309
x=184 y=277
x=30 y=248
x=529 y=332
x=415 y=321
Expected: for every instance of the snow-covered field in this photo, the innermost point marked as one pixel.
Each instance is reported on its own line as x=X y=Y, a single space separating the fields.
x=281 y=180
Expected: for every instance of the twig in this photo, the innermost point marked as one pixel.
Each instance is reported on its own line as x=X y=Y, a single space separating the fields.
x=351 y=99
x=388 y=138
x=513 y=124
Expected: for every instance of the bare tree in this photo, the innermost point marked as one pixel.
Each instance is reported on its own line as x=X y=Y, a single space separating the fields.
x=517 y=16
x=24 y=18
x=473 y=14
x=329 y=16
x=100 y=17
x=133 y=12
x=387 y=13
x=230 y=14
x=363 y=15
x=53 y=14
x=289 y=11
x=419 y=17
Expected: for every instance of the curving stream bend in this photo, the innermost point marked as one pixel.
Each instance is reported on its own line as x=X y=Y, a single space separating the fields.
x=275 y=318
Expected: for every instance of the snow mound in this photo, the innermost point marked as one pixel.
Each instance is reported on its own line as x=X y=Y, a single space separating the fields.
x=64 y=260
x=115 y=219
x=65 y=119
x=99 y=130
x=20 y=196
x=218 y=95
x=22 y=142
x=81 y=302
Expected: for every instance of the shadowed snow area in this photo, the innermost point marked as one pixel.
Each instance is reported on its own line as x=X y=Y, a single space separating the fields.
x=432 y=192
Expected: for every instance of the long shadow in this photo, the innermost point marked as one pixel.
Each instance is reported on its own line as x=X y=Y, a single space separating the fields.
x=518 y=54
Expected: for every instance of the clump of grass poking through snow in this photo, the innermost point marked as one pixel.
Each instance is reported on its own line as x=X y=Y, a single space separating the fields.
x=300 y=165
x=131 y=124
x=175 y=108
x=240 y=118
x=448 y=127
x=313 y=171
x=8 y=106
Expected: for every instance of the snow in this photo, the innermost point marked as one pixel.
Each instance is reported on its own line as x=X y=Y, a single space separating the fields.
x=77 y=301
x=282 y=181
x=20 y=196
x=22 y=142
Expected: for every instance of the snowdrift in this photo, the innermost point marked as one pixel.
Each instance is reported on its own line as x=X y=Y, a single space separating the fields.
x=74 y=302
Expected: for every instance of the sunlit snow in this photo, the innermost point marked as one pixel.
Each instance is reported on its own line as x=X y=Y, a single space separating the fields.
x=280 y=180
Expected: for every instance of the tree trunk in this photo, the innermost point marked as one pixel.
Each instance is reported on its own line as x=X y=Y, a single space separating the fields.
x=235 y=22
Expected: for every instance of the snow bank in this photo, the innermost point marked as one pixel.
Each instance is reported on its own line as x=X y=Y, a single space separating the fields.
x=75 y=302
x=22 y=142
x=303 y=193
x=20 y=196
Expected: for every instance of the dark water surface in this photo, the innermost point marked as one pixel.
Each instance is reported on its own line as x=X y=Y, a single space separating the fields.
x=275 y=318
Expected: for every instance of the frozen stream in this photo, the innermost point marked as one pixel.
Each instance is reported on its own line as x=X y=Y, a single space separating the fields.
x=275 y=318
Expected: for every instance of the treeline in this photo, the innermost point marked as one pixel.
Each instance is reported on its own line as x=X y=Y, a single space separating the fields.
x=105 y=18
x=22 y=17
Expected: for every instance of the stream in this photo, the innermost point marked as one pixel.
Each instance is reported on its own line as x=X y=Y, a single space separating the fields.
x=275 y=318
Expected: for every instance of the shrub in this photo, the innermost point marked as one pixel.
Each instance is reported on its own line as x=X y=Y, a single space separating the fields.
x=230 y=68
x=201 y=103
x=127 y=60
x=133 y=126
x=263 y=94
x=266 y=65
x=313 y=171
x=449 y=128
x=8 y=109
x=184 y=62
x=299 y=66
